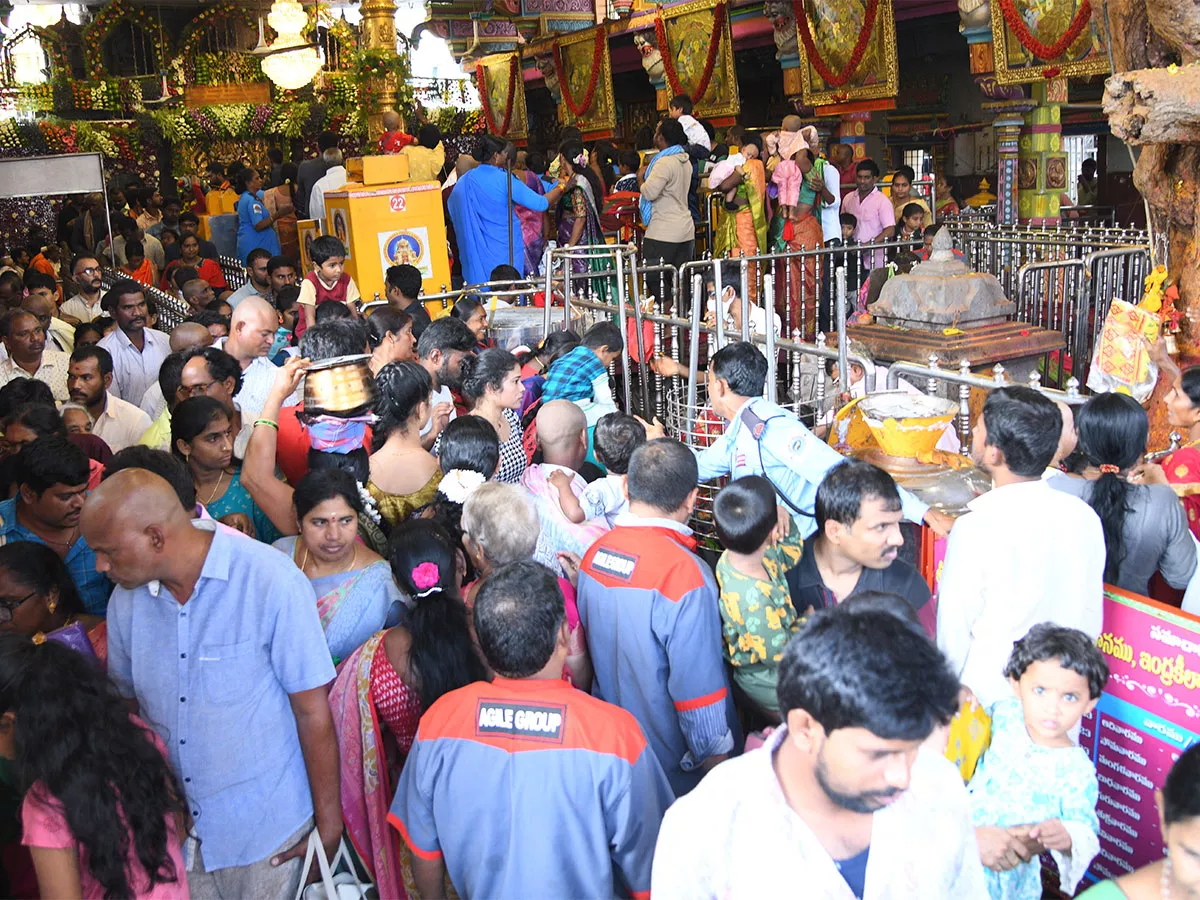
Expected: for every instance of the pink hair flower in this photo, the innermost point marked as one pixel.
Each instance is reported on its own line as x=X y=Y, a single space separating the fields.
x=425 y=576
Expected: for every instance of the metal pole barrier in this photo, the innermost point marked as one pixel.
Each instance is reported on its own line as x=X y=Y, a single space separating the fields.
x=694 y=359
x=644 y=365
x=843 y=362
x=718 y=312
x=549 y=299
x=621 y=298
x=769 y=303
x=745 y=273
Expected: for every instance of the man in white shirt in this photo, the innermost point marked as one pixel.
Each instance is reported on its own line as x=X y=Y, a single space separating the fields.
x=1003 y=573
x=90 y=375
x=258 y=283
x=251 y=334
x=843 y=790
x=137 y=351
x=440 y=351
x=41 y=299
x=29 y=357
x=85 y=306
x=334 y=178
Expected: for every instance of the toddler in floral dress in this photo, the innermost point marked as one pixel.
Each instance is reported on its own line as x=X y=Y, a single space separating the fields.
x=1034 y=778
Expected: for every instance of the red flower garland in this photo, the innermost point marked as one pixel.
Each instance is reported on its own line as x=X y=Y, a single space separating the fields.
x=564 y=85
x=1027 y=40
x=831 y=78
x=485 y=101
x=710 y=62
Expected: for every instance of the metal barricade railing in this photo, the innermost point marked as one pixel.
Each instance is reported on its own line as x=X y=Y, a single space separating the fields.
x=934 y=375
x=234 y=271
x=169 y=308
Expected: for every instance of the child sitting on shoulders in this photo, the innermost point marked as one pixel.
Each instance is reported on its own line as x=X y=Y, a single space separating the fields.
x=757 y=614
x=326 y=283
x=1034 y=782
x=617 y=436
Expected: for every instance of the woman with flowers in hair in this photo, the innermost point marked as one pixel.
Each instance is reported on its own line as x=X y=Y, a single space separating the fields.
x=579 y=210
x=383 y=688
x=356 y=595
x=404 y=475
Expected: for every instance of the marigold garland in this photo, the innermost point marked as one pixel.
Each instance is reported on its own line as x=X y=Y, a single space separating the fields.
x=710 y=61
x=560 y=70
x=485 y=101
x=831 y=78
x=1027 y=39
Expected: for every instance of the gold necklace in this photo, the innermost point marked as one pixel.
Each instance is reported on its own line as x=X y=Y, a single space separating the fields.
x=220 y=478
x=304 y=562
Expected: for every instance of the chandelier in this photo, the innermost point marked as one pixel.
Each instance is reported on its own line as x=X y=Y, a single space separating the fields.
x=292 y=62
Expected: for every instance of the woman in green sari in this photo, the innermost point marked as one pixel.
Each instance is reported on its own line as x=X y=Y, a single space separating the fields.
x=579 y=216
x=742 y=224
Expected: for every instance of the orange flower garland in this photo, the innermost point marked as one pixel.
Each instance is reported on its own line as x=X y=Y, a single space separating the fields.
x=710 y=61
x=593 y=80
x=1046 y=52
x=485 y=101
x=831 y=78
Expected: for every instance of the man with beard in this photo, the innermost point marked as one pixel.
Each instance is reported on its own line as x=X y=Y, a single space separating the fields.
x=843 y=790
x=137 y=350
x=27 y=355
x=441 y=350
x=857 y=545
x=85 y=305
x=258 y=282
x=89 y=376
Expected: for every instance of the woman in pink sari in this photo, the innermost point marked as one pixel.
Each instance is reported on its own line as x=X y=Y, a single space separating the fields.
x=383 y=688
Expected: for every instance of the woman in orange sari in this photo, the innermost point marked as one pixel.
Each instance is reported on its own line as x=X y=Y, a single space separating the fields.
x=742 y=227
x=943 y=198
x=1181 y=470
x=800 y=177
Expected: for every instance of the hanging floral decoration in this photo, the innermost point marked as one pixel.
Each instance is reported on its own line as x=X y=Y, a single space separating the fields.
x=577 y=110
x=668 y=58
x=486 y=101
x=813 y=55
x=217 y=14
x=109 y=16
x=1029 y=41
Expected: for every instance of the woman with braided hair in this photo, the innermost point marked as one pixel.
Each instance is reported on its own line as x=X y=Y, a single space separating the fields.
x=404 y=475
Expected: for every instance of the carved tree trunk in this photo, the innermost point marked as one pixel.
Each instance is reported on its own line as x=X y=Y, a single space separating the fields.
x=1157 y=109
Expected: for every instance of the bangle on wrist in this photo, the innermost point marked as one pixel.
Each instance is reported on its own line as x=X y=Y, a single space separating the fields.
x=269 y=422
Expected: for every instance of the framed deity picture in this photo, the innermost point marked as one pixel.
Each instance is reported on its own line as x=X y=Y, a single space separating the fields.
x=584 y=72
x=847 y=51
x=696 y=43
x=502 y=95
x=1070 y=34
x=307 y=230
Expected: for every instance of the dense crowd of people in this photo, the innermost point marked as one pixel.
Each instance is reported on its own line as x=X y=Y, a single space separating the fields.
x=471 y=614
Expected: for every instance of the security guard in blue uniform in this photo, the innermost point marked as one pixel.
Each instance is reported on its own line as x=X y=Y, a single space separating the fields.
x=763 y=438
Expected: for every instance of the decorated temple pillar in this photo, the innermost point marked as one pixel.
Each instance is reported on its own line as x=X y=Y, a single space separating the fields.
x=852 y=130
x=1008 y=139
x=379 y=33
x=1042 y=162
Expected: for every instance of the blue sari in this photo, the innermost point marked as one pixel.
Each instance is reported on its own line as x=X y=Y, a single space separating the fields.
x=478 y=207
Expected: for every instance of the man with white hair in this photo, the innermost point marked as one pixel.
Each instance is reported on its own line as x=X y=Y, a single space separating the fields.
x=251 y=334
x=334 y=178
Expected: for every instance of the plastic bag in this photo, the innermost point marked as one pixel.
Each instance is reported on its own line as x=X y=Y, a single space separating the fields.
x=1121 y=361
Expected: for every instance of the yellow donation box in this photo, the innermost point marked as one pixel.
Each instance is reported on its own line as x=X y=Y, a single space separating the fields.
x=386 y=225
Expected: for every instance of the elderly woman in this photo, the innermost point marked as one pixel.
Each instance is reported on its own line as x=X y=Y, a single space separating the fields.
x=356 y=595
x=481 y=208
x=500 y=526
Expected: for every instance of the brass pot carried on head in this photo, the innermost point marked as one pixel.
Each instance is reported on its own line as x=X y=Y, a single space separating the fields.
x=342 y=387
